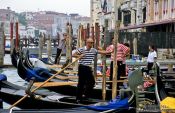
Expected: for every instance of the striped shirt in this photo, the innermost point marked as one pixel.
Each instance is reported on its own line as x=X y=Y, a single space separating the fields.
x=88 y=55
x=122 y=50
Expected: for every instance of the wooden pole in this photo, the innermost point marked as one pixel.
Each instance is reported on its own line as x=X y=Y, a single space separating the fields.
x=79 y=36
x=95 y=46
x=11 y=37
x=26 y=95
x=92 y=32
x=17 y=36
x=4 y=42
x=88 y=31
x=67 y=41
x=115 y=67
x=12 y=46
x=70 y=42
x=1 y=44
x=135 y=46
x=82 y=43
x=49 y=47
x=11 y=30
x=40 y=46
x=104 y=63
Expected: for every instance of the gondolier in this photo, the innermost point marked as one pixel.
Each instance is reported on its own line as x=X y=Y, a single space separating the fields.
x=86 y=80
x=60 y=48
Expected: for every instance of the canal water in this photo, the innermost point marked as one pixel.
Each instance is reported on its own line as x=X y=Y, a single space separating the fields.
x=12 y=76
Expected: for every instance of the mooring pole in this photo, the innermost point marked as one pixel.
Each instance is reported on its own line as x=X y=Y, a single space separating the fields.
x=40 y=46
x=1 y=44
x=115 y=67
x=49 y=47
x=17 y=36
x=95 y=46
x=104 y=61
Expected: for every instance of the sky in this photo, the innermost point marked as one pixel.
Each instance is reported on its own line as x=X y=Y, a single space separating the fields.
x=63 y=6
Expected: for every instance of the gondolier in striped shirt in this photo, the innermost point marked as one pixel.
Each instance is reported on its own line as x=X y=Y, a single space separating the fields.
x=86 y=79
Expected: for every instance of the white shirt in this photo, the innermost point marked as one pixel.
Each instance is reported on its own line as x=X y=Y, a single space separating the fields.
x=151 y=56
x=61 y=42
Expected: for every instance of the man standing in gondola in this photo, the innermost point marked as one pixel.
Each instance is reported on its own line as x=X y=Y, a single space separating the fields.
x=86 y=79
x=61 y=46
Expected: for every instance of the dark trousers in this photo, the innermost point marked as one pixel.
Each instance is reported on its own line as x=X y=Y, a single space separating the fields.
x=121 y=71
x=57 y=58
x=149 y=66
x=86 y=81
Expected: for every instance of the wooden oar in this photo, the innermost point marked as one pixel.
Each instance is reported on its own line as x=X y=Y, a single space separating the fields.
x=54 y=66
x=26 y=95
x=71 y=72
x=66 y=77
x=52 y=84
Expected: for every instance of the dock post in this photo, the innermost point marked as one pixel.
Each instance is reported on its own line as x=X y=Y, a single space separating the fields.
x=104 y=60
x=17 y=36
x=95 y=46
x=49 y=48
x=12 y=45
x=135 y=45
x=1 y=44
x=69 y=43
x=40 y=46
x=115 y=66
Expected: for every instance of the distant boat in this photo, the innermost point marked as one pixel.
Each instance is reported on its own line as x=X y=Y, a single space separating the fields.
x=7 y=46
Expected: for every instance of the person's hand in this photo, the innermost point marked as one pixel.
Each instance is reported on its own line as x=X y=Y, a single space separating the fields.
x=82 y=55
x=99 y=48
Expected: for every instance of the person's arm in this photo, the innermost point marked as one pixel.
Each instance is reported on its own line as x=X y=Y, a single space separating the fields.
x=109 y=50
x=103 y=52
x=155 y=56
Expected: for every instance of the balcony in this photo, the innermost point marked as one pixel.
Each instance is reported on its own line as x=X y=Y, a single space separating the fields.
x=125 y=6
x=126 y=1
x=133 y=4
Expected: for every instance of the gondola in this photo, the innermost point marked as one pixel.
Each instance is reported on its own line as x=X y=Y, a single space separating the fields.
x=14 y=57
x=29 y=64
x=27 y=61
x=66 y=89
x=44 y=99
x=41 y=75
x=164 y=99
x=26 y=73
